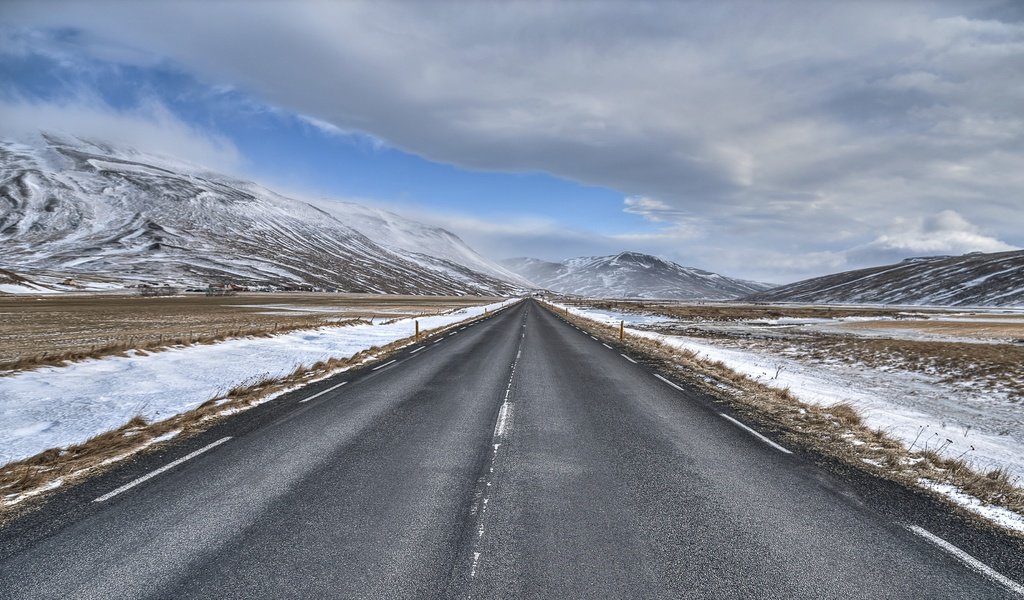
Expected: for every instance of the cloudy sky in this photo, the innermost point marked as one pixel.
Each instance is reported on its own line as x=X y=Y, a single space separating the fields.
x=767 y=140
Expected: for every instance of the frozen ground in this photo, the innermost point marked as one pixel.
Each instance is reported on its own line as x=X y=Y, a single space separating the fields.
x=58 y=406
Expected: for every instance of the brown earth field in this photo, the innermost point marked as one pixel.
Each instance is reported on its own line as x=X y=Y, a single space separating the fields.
x=979 y=349
x=981 y=327
x=51 y=329
x=728 y=311
x=996 y=366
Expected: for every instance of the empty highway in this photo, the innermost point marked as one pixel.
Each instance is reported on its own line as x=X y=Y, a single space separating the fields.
x=515 y=458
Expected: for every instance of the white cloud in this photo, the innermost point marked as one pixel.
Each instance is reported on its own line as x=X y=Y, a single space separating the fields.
x=150 y=128
x=674 y=224
x=649 y=208
x=746 y=130
x=511 y=235
x=945 y=232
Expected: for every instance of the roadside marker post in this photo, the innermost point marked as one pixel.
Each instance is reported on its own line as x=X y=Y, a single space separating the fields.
x=622 y=330
x=417 y=330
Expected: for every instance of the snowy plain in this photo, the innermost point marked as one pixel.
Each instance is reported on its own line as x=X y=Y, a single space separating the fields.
x=55 y=407
x=912 y=407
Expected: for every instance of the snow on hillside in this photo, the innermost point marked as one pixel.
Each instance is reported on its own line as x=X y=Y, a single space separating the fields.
x=397 y=232
x=975 y=279
x=630 y=275
x=84 y=211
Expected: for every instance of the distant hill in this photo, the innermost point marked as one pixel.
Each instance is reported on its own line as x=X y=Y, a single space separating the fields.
x=975 y=279
x=79 y=214
x=630 y=275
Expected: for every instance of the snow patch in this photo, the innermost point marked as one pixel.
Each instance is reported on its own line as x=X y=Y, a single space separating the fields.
x=55 y=407
x=997 y=514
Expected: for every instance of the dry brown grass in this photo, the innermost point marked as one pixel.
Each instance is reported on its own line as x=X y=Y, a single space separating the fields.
x=835 y=431
x=32 y=478
x=988 y=327
x=993 y=367
x=711 y=311
x=988 y=367
x=51 y=330
x=140 y=346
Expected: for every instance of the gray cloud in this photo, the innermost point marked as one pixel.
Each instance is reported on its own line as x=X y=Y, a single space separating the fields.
x=526 y=236
x=776 y=138
x=946 y=232
x=151 y=128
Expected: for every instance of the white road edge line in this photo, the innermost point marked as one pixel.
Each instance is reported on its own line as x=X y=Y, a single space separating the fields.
x=593 y=338
x=417 y=350
x=971 y=562
x=390 y=362
x=668 y=382
x=606 y=345
x=756 y=434
x=318 y=394
x=628 y=358
x=166 y=467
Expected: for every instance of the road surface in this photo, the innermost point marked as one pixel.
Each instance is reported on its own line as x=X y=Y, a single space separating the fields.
x=516 y=458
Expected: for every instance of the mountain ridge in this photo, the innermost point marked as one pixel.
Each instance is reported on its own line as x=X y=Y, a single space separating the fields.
x=630 y=275
x=973 y=279
x=392 y=230
x=80 y=209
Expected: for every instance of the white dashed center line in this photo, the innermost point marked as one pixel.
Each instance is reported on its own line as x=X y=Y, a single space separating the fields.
x=482 y=494
x=390 y=362
x=628 y=358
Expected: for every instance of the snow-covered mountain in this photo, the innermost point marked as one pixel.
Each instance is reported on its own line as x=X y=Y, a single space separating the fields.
x=84 y=211
x=975 y=279
x=630 y=275
x=413 y=238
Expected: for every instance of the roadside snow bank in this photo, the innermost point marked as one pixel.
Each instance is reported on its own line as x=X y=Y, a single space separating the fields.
x=912 y=407
x=56 y=406
x=1003 y=516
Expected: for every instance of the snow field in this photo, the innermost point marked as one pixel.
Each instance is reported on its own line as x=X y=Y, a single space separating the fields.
x=912 y=407
x=55 y=407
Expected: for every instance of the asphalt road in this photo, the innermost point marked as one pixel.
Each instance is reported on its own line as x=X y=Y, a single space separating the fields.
x=517 y=458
